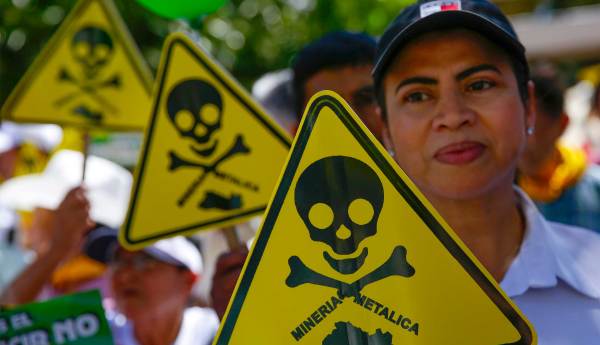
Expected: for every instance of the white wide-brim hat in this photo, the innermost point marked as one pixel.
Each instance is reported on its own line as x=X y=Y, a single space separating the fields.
x=44 y=136
x=107 y=184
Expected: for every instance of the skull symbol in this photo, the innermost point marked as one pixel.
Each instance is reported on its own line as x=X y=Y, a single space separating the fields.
x=92 y=47
x=195 y=108
x=339 y=199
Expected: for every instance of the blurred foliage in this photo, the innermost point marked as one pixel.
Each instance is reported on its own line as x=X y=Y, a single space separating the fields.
x=249 y=37
x=544 y=6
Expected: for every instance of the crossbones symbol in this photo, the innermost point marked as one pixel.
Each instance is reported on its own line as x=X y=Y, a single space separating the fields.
x=238 y=147
x=92 y=49
x=88 y=87
x=395 y=265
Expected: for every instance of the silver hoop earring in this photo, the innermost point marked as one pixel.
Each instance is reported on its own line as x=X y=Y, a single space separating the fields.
x=391 y=152
x=530 y=130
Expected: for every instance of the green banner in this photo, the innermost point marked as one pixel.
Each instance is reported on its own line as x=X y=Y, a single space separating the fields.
x=73 y=319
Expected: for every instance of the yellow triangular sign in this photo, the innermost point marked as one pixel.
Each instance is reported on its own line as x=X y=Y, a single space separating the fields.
x=211 y=156
x=90 y=74
x=350 y=252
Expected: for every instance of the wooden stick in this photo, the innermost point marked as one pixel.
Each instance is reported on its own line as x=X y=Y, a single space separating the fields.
x=86 y=146
x=232 y=238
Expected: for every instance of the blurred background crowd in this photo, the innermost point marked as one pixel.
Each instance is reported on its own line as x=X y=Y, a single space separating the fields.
x=276 y=49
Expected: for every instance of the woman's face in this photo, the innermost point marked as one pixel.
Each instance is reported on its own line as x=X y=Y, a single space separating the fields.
x=455 y=119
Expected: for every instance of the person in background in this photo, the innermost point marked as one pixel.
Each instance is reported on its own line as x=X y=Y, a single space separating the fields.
x=453 y=86
x=274 y=92
x=564 y=186
x=152 y=289
x=592 y=128
x=57 y=215
x=54 y=238
x=24 y=149
x=339 y=61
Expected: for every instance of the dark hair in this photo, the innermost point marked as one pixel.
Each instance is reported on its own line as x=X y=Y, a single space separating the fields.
x=549 y=90
x=594 y=108
x=520 y=70
x=334 y=50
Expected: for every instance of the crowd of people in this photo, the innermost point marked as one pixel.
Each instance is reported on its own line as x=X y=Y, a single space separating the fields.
x=452 y=97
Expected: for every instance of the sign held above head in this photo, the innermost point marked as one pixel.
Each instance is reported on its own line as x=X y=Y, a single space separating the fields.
x=89 y=75
x=211 y=155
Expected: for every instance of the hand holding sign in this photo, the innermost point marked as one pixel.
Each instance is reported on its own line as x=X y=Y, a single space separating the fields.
x=227 y=271
x=70 y=223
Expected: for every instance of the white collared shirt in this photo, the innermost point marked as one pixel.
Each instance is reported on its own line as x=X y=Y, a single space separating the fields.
x=555 y=280
x=199 y=327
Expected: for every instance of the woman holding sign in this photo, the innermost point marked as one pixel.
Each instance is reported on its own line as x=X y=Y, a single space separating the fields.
x=453 y=85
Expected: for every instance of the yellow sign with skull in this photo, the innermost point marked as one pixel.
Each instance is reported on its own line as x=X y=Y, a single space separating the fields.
x=350 y=252
x=89 y=75
x=211 y=156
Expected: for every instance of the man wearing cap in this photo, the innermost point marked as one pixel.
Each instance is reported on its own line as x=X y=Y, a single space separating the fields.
x=152 y=288
x=452 y=82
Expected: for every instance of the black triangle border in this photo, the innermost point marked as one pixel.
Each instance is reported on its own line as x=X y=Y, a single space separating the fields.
x=290 y=170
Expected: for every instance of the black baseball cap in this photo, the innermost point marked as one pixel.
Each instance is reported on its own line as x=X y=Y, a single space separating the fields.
x=422 y=17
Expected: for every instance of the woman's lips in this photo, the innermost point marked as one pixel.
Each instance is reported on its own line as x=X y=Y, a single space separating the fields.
x=128 y=292
x=460 y=153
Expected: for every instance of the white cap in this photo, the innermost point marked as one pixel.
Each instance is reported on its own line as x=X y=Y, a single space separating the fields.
x=101 y=244
x=108 y=187
x=177 y=251
x=44 y=136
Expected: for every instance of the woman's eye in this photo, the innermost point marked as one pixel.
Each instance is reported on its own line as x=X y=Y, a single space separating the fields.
x=481 y=85
x=416 y=97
